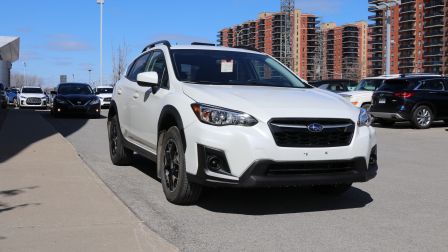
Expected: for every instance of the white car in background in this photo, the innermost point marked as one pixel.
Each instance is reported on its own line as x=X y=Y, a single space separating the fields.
x=105 y=94
x=362 y=96
x=33 y=97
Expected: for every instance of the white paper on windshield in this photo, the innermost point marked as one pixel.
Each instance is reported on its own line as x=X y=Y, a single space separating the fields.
x=226 y=66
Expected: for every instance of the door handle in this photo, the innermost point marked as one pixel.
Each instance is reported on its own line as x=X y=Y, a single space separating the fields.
x=119 y=92
x=135 y=96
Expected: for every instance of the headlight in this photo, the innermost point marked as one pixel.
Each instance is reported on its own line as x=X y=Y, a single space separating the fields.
x=22 y=97
x=59 y=100
x=222 y=117
x=364 y=118
x=95 y=102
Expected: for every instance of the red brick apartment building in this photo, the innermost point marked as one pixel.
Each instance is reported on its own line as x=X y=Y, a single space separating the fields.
x=419 y=37
x=345 y=50
x=264 y=34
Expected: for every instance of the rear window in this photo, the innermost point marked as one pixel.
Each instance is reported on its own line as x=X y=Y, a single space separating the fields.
x=395 y=85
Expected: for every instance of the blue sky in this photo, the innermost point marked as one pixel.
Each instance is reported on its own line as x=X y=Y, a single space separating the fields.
x=62 y=37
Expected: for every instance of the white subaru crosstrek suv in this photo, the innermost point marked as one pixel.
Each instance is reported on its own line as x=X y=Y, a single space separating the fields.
x=216 y=116
x=361 y=97
x=105 y=94
x=32 y=97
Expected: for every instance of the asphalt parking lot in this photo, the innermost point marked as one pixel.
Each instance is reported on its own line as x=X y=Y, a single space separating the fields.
x=403 y=209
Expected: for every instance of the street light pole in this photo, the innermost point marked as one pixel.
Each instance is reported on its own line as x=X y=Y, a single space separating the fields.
x=101 y=3
x=90 y=80
x=24 y=73
x=387 y=6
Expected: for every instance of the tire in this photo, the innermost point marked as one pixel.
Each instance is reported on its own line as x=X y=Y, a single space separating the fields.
x=178 y=190
x=422 y=117
x=366 y=106
x=333 y=189
x=119 y=154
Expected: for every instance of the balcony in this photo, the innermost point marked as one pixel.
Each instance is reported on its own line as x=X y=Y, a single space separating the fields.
x=434 y=23
x=434 y=4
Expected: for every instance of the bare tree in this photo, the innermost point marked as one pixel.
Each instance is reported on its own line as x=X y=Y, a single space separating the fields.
x=119 y=61
x=19 y=80
x=351 y=69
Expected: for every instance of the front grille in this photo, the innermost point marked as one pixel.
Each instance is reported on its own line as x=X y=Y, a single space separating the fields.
x=310 y=168
x=294 y=132
x=33 y=101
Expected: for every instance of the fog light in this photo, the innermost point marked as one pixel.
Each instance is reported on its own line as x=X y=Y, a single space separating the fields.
x=214 y=163
x=97 y=110
x=59 y=110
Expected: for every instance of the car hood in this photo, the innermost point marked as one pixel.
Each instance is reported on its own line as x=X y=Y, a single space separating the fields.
x=357 y=93
x=104 y=95
x=77 y=99
x=265 y=103
x=26 y=95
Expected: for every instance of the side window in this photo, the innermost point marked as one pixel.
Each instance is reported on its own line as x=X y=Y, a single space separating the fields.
x=158 y=64
x=434 y=85
x=138 y=67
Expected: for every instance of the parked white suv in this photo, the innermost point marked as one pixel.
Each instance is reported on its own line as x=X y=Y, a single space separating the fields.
x=216 y=116
x=32 y=97
x=361 y=97
x=105 y=94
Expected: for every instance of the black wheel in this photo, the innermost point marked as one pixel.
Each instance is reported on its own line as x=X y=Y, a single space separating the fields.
x=5 y=105
x=177 y=188
x=366 y=106
x=333 y=189
x=422 y=117
x=119 y=154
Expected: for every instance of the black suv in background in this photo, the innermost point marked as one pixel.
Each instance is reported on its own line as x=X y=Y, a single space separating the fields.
x=419 y=99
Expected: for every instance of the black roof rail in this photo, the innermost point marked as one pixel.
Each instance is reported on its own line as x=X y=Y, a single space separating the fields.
x=203 y=44
x=250 y=48
x=161 y=42
x=419 y=74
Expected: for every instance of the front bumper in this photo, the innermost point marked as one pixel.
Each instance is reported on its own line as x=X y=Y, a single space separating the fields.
x=42 y=104
x=72 y=109
x=251 y=151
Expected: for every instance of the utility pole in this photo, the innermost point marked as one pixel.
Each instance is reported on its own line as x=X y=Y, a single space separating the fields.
x=101 y=3
x=386 y=6
x=287 y=10
x=90 y=71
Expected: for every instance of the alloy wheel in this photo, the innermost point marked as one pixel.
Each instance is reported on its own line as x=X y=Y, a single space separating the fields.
x=423 y=117
x=171 y=165
x=113 y=138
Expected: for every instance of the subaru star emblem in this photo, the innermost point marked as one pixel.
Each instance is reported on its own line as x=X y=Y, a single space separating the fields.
x=315 y=127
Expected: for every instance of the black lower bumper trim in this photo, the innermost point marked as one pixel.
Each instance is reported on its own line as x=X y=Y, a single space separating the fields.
x=268 y=173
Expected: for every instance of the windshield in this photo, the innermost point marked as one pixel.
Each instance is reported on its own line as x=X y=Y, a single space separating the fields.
x=67 y=89
x=32 y=91
x=232 y=68
x=369 y=84
x=395 y=85
x=104 y=90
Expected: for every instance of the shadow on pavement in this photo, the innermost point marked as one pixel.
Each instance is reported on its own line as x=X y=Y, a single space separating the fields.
x=279 y=200
x=20 y=128
x=14 y=192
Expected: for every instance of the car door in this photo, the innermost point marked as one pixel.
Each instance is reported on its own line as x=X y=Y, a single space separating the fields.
x=433 y=91
x=147 y=103
x=125 y=90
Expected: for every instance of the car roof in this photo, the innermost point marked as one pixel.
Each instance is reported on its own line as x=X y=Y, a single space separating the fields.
x=74 y=83
x=104 y=86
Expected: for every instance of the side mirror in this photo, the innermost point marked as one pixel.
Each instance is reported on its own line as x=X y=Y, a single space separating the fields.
x=148 y=79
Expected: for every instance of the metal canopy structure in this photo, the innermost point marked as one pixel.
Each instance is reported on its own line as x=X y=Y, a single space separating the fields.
x=9 y=52
x=9 y=48
x=287 y=10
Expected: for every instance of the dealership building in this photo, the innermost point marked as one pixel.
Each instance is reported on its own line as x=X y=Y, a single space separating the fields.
x=9 y=52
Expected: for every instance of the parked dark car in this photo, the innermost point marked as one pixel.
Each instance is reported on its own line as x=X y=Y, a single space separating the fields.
x=3 y=97
x=336 y=86
x=418 y=99
x=76 y=98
